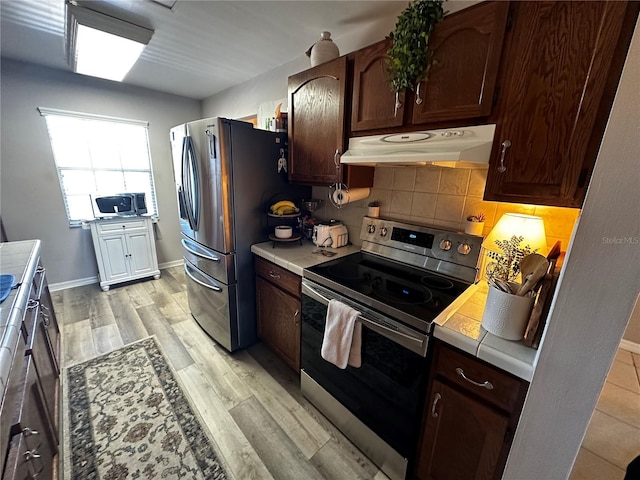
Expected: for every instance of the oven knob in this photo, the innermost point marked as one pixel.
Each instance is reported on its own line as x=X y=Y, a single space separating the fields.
x=445 y=245
x=383 y=231
x=371 y=228
x=464 y=249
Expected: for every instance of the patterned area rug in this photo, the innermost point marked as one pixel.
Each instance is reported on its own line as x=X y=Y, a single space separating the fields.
x=127 y=418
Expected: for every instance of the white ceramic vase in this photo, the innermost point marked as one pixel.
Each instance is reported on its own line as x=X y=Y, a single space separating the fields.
x=506 y=315
x=474 y=228
x=324 y=50
x=373 y=211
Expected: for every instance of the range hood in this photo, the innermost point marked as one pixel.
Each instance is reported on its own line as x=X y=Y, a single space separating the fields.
x=464 y=147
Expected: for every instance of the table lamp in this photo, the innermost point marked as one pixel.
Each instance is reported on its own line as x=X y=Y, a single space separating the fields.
x=520 y=225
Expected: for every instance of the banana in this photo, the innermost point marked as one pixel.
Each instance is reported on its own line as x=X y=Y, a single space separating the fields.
x=283 y=203
x=285 y=210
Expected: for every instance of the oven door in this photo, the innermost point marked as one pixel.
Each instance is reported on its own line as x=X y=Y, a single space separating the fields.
x=387 y=392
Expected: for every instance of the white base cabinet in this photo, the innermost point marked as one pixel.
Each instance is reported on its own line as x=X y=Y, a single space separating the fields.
x=125 y=250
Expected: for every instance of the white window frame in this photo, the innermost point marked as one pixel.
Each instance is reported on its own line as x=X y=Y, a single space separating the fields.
x=151 y=200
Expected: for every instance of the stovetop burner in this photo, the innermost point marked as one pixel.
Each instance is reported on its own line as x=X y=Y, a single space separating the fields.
x=437 y=282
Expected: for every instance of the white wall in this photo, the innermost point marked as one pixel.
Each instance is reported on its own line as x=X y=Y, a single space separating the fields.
x=30 y=197
x=596 y=294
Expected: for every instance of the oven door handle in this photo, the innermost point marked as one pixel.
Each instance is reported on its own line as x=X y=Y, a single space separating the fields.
x=415 y=344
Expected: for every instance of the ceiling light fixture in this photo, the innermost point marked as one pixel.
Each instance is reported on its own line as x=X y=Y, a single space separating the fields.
x=100 y=44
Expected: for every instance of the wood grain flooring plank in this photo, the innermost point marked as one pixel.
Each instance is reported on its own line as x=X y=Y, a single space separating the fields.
x=307 y=434
x=170 y=283
x=78 y=343
x=272 y=444
x=131 y=327
x=235 y=450
x=100 y=312
x=75 y=303
x=333 y=464
x=183 y=301
x=138 y=294
x=107 y=338
x=169 y=308
x=206 y=354
x=157 y=325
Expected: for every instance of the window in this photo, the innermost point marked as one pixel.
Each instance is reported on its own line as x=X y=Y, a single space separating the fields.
x=98 y=155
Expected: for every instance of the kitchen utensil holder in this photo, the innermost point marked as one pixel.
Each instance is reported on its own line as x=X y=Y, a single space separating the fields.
x=506 y=315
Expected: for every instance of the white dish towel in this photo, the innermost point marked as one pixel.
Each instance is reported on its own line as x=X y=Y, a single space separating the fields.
x=342 y=340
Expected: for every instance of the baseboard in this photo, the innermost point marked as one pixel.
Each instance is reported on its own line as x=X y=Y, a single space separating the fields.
x=54 y=287
x=630 y=346
x=173 y=263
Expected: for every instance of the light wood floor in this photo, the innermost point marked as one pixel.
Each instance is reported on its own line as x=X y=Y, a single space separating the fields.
x=250 y=401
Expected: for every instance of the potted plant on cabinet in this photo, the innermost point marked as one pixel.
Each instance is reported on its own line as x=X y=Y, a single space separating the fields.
x=373 y=208
x=409 y=57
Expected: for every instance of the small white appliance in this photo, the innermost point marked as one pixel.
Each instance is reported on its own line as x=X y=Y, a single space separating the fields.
x=330 y=235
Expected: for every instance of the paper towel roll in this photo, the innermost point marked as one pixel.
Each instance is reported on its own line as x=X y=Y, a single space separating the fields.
x=343 y=197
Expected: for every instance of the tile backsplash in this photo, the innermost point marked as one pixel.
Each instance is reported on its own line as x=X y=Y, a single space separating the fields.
x=442 y=197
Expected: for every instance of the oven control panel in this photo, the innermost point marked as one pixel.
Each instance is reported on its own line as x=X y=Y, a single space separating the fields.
x=433 y=242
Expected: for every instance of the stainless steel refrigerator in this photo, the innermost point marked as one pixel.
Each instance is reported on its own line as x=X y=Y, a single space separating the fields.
x=225 y=173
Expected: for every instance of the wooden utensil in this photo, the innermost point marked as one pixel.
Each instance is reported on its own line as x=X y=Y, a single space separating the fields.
x=532 y=267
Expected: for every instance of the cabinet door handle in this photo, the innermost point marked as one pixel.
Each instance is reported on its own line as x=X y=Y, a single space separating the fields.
x=32 y=304
x=506 y=144
x=336 y=158
x=397 y=105
x=273 y=275
x=418 y=98
x=436 y=399
x=486 y=384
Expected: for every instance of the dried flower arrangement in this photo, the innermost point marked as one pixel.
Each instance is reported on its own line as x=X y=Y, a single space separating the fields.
x=506 y=265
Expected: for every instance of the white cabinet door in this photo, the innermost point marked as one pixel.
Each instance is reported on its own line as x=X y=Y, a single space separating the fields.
x=113 y=249
x=141 y=256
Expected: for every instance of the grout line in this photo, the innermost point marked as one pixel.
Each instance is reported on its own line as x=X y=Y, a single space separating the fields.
x=602 y=458
x=616 y=418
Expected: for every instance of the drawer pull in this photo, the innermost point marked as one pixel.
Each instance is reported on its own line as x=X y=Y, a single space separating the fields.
x=274 y=275
x=32 y=304
x=27 y=432
x=487 y=384
x=436 y=399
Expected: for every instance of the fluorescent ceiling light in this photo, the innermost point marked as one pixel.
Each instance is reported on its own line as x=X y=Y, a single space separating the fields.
x=102 y=45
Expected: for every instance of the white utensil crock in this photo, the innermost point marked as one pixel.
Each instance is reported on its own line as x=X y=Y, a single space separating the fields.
x=506 y=315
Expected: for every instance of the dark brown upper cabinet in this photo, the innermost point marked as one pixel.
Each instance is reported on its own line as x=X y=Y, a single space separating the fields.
x=466 y=47
x=316 y=128
x=559 y=72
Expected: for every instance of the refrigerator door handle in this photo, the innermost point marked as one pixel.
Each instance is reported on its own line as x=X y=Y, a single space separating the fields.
x=198 y=252
x=194 y=190
x=212 y=144
x=185 y=183
x=187 y=271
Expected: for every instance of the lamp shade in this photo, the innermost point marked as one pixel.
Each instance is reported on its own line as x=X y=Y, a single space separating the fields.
x=527 y=226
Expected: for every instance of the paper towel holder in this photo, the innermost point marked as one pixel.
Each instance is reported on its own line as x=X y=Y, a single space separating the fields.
x=341 y=189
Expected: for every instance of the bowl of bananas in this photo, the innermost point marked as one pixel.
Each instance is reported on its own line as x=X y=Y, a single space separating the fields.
x=283 y=207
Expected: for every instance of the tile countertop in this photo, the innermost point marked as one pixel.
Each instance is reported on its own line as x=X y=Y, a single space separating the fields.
x=19 y=259
x=460 y=327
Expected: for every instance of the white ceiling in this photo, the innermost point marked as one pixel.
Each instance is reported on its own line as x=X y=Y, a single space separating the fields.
x=200 y=47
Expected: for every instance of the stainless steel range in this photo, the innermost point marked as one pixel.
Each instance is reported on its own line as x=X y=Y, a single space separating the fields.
x=405 y=279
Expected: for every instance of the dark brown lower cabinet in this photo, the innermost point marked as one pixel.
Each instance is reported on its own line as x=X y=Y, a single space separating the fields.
x=278 y=311
x=470 y=415
x=30 y=419
x=33 y=446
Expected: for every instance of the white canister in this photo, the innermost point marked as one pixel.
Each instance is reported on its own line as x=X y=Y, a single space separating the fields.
x=323 y=50
x=506 y=315
x=474 y=228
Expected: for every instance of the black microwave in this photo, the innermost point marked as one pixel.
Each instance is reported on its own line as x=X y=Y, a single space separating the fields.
x=120 y=204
